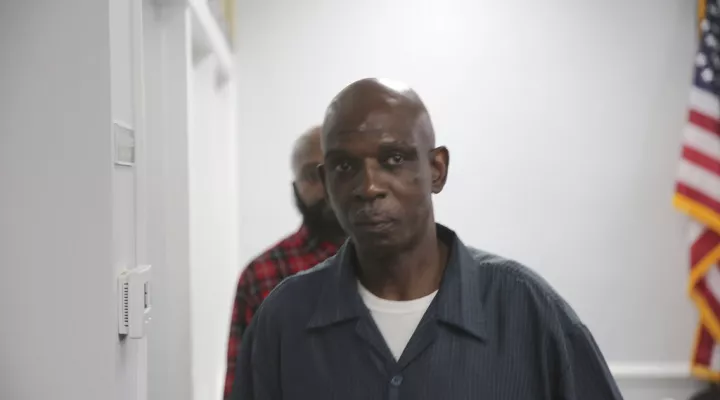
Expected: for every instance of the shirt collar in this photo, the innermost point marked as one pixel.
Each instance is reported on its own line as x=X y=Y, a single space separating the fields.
x=458 y=302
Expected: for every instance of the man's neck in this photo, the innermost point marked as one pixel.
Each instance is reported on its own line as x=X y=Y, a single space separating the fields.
x=406 y=275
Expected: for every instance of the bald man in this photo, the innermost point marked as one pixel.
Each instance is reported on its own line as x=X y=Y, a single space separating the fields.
x=317 y=239
x=405 y=310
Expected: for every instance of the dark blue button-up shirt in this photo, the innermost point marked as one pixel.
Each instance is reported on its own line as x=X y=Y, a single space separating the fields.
x=495 y=331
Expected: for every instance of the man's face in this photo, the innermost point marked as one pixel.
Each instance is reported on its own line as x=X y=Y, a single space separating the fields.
x=307 y=181
x=380 y=173
x=310 y=195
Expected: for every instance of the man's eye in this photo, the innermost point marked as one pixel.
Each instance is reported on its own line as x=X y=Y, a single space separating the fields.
x=343 y=167
x=396 y=159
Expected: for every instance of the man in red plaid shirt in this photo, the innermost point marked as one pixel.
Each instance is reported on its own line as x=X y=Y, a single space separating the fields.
x=318 y=238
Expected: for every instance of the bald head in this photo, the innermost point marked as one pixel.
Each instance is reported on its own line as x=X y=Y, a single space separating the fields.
x=361 y=99
x=381 y=165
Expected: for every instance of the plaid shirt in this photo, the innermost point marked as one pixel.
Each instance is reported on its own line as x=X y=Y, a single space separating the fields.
x=295 y=253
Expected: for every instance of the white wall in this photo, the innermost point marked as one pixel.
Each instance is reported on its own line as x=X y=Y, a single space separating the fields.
x=71 y=220
x=167 y=60
x=193 y=218
x=214 y=233
x=563 y=121
x=58 y=337
x=128 y=193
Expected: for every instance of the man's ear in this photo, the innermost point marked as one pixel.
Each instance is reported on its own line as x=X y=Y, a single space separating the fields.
x=439 y=164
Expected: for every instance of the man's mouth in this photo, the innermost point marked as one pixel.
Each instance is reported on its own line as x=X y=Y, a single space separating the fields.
x=373 y=223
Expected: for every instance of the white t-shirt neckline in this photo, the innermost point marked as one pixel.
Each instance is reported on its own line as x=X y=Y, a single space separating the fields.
x=376 y=303
x=396 y=320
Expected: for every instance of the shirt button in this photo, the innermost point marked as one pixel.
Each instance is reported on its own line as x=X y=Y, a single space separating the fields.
x=396 y=380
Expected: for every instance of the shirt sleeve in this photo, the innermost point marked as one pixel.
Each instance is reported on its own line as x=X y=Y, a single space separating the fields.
x=586 y=375
x=244 y=308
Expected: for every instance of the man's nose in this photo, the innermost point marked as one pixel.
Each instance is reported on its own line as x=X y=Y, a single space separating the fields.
x=371 y=186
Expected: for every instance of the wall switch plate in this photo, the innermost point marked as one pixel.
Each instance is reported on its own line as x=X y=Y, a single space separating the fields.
x=124 y=143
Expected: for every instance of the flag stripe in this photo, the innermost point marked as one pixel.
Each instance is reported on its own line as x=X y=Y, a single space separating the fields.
x=704 y=256
x=698 y=196
x=712 y=281
x=701 y=160
x=714 y=363
x=699 y=178
x=702 y=140
x=707 y=241
x=706 y=122
x=704 y=291
x=703 y=346
x=695 y=231
x=707 y=314
x=696 y=209
x=706 y=355
x=705 y=102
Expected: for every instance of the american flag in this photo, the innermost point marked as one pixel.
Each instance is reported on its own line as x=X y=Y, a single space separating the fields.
x=697 y=191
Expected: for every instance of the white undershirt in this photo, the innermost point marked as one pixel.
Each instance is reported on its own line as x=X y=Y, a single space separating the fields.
x=396 y=320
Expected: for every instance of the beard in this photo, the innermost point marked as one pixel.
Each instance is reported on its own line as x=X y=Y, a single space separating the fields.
x=319 y=218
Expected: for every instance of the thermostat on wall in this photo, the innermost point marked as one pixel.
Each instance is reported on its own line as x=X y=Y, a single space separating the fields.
x=134 y=301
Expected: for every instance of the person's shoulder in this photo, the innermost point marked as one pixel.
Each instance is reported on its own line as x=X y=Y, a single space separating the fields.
x=296 y=296
x=509 y=269
x=513 y=281
x=304 y=282
x=279 y=250
x=265 y=267
x=271 y=255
